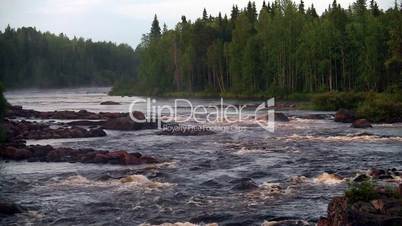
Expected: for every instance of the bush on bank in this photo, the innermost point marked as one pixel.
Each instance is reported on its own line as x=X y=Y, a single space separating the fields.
x=376 y=107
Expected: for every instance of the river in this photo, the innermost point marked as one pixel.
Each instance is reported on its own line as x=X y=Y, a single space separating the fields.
x=198 y=177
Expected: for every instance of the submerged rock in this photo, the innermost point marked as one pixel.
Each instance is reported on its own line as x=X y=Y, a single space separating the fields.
x=361 y=123
x=109 y=103
x=244 y=184
x=9 y=208
x=344 y=115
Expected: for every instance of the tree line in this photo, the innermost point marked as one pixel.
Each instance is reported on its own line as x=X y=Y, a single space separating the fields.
x=30 y=58
x=282 y=48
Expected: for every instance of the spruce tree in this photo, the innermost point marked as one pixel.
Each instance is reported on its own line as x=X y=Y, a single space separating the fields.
x=204 y=15
x=301 y=7
x=155 y=29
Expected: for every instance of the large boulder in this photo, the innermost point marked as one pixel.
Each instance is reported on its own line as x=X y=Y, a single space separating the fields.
x=345 y=116
x=123 y=123
x=126 y=123
x=361 y=124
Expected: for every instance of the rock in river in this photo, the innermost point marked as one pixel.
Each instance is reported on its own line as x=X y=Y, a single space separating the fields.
x=344 y=115
x=362 y=124
x=109 y=103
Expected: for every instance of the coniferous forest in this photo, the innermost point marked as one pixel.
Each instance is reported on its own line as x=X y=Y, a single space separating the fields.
x=282 y=48
x=30 y=58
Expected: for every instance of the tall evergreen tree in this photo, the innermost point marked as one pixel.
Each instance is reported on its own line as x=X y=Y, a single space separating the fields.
x=155 y=29
x=301 y=7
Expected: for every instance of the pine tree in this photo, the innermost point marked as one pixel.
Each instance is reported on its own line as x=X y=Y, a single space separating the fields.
x=360 y=7
x=301 y=7
x=204 y=15
x=235 y=13
x=155 y=29
x=375 y=11
x=312 y=12
x=183 y=19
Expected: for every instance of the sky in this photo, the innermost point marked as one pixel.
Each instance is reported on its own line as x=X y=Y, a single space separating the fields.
x=119 y=21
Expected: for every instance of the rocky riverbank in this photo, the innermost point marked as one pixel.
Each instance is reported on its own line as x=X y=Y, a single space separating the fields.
x=24 y=130
x=17 y=132
x=374 y=199
x=40 y=153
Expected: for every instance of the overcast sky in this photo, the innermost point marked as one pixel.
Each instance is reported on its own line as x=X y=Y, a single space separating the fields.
x=120 y=21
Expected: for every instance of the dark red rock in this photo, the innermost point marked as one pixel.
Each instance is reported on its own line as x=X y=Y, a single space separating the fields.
x=127 y=124
x=22 y=154
x=56 y=155
x=138 y=115
x=118 y=157
x=148 y=160
x=362 y=124
x=337 y=212
x=101 y=158
x=345 y=116
x=323 y=221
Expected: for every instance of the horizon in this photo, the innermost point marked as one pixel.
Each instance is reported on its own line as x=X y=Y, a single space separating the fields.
x=125 y=22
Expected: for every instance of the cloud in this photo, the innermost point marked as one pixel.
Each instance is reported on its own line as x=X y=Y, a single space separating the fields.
x=63 y=7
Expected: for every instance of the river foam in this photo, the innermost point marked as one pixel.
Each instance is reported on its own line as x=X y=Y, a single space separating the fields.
x=131 y=181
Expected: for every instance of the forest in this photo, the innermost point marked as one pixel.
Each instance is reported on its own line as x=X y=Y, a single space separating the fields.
x=283 y=48
x=30 y=58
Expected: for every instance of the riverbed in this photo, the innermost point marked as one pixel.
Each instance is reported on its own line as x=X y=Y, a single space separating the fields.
x=199 y=177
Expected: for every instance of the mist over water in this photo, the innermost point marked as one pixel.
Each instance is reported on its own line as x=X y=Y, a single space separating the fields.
x=294 y=169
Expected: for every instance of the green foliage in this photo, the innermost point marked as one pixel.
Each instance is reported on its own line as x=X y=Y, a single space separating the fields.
x=381 y=108
x=284 y=49
x=30 y=58
x=299 y=97
x=376 y=107
x=333 y=101
x=362 y=191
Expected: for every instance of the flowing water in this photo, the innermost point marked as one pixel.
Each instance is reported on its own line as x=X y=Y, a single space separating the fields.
x=198 y=180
